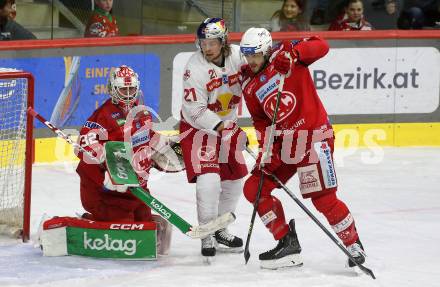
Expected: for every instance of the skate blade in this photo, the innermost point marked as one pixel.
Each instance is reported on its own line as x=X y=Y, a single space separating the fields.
x=208 y=260
x=355 y=268
x=230 y=249
x=293 y=260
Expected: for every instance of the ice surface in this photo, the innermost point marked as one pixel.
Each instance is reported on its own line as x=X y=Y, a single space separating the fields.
x=395 y=201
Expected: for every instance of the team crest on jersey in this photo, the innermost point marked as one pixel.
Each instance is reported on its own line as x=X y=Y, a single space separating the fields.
x=286 y=106
x=225 y=79
x=186 y=75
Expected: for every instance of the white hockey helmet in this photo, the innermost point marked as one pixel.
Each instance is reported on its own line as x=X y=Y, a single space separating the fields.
x=256 y=40
x=123 y=87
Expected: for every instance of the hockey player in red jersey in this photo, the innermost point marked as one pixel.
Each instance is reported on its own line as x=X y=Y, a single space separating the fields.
x=303 y=142
x=120 y=118
x=212 y=93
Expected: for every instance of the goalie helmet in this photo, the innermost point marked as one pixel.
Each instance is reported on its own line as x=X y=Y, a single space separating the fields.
x=256 y=40
x=123 y=87
x=213 y=28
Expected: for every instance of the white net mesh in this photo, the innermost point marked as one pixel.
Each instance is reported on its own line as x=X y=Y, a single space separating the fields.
x=13 y=104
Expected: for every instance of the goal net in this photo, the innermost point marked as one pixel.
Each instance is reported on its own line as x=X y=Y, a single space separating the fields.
x=16 y=152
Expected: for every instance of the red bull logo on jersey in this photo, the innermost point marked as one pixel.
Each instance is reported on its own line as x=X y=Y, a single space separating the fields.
x=214 y=84
x=224 y=104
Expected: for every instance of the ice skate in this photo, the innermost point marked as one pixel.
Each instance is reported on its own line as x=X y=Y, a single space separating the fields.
x=357 y=251
x=227 y=242
x=285 y=254
x=208 y=249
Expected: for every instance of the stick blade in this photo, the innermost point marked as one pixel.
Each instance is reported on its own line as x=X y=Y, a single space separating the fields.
x=367 y=271
x=247 y=255
x=204 y=230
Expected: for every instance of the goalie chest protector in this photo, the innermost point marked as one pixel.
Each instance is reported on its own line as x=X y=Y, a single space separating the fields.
x=115 y=240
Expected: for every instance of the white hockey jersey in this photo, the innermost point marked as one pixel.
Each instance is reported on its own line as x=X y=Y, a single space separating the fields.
x=211 y=94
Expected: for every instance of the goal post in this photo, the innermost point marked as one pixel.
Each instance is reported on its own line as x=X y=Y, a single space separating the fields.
x=16 y=152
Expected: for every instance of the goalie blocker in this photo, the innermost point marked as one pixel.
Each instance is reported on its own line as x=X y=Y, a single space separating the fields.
x=115 y=240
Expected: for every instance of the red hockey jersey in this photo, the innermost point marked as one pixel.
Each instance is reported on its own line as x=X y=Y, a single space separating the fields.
x=101 y=24
x=108 y=123
x=300 y=107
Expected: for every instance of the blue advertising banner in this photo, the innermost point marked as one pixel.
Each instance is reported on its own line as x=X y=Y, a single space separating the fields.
x=69 y=89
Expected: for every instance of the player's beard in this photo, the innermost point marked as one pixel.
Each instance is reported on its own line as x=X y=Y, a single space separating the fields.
x=218 y=60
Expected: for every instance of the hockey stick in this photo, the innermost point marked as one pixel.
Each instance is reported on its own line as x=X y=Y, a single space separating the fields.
x=247 y=254
x=122 y=173
x=310 y=214
x=191 y=231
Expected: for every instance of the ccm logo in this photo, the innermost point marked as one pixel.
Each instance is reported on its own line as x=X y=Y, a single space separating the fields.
x=126 y=226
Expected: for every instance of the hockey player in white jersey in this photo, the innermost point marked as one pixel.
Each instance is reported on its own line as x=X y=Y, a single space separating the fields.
x=212 y=142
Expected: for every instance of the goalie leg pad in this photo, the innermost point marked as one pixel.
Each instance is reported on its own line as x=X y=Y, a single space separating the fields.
x=164 y=234
x=116 y=240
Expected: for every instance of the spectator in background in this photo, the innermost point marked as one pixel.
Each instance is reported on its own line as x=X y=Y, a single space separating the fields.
x=353 y=19
x=417 y=14
x=9 y=29
x=325 y=10
x=385 y=16
x=289 y=17
x=318 y=15
x=102 y=23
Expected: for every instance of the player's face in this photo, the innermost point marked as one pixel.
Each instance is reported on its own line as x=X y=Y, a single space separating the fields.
x=354 y=11
x=127 y=93
x=255 y=61
x=291 y=9
x=7 y=10
x=105 y=5
x=212 y=49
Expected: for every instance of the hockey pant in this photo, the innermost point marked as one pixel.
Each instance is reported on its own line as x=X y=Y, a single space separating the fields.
x=111 y=205
x=318 y=182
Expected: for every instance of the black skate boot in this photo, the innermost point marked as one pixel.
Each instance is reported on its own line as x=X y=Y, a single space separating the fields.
x=228 y=242
x=208 y=246
x=357 y=251
x=285 y=254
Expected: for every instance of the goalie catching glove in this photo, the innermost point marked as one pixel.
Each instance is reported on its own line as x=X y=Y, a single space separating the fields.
x=169 y=157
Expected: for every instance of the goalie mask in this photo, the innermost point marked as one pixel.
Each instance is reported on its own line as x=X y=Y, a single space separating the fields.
x=123 y=87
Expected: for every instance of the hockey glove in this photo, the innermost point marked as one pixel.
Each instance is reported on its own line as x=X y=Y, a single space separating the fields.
x=108 y=184
x=272 y=160
x=169 y=158
x=285 y=58
x=282 y=63
x=230 y=128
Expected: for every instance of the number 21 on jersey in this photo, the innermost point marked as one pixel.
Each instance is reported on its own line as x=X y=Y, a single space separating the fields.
x=189 y=95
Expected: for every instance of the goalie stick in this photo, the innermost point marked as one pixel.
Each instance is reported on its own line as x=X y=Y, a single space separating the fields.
x=186 y=228
x=316 y=220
